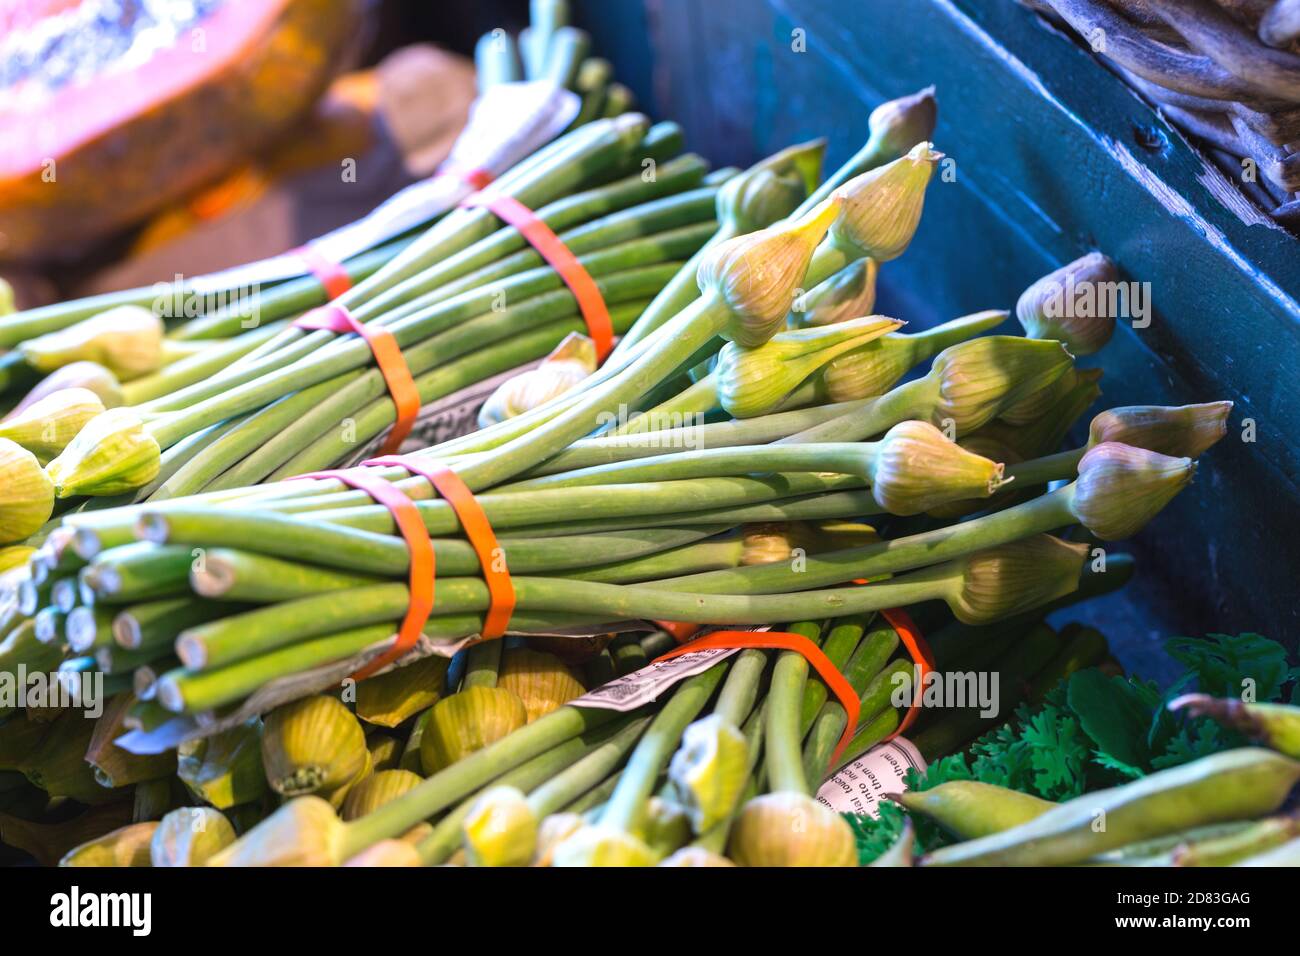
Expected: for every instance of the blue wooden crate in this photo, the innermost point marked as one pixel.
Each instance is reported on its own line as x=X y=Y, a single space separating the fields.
x=1054 y=156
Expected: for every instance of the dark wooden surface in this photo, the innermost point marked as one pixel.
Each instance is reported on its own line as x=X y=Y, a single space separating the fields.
x=1054 y=156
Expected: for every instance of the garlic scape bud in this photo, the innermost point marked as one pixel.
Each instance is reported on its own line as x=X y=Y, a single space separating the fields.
x=467 y=721
x=1120 y=488
x=709 y=771
x=602 y=845
x=303 y=832
x=542 y=681
x=665 y=828
x=1012 y=578
x=190 y=836
x=388 y=699
x=974 y=381
x=882 y=207
x=1276 y=726
x=87 y=375
x=501 y=829
x=7 y=303
x=1044 y=434
x=311 y=745
x=1077 y=304
x=113 y=453
x=754 y=381
x=916 y=467
x=770 y=190
x=224 y=769
x=758 y=275
x=849 y=293
x=1185 y=431
x=126 y=340
x=26 y=493
x=46 y=426
x=1037 y=403
x=874 y=368
x=790 y=829
x=897 y=125
x=572 y=361
x=124 y=847
x=775 y=541
x=376 y=790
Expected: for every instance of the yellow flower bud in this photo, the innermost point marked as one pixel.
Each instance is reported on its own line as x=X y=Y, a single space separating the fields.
x=113 y=453
x=26 y=493
x=791 y=829
x=709 y=771
x=127 y=340
x=501 y=829
x=46 y=426
x=849 y=293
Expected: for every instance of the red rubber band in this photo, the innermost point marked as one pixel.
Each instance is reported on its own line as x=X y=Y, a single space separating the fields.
x=475 y=177
x=786 y=641
x=423 y=564
x=389 y=358
x=475 y=524
x=330 y=274
x=679 y=631
x=540 y=236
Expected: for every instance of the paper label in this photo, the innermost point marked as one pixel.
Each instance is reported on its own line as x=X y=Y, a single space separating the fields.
x=860 y=784
x=646 y=685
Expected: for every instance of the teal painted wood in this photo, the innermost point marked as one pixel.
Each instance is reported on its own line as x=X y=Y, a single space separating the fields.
x=1054 y=156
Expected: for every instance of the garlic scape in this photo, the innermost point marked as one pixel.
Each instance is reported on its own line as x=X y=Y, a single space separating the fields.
x=764 y=194
x=1006 y=580
x=467 y=721
x=304 y=831
x=126 y=340
x=114 y=452
x=571 y=361
x=754 y=381
x=26 y=493
x=542 y=681
x=1077 y=304
x=1185 y=431
x=1120 y=488
x=787 y=828
x=87 y=375
x=376 y=790
x=875 y=367
x=388 y=699
x=46 y=426
x=756 y=277
x=849 y=293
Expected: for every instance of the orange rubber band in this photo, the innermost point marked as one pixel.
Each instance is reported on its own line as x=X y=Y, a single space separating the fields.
x=389 y=358
x=921 y=655
x=475 y=524
x=786 y=641
x=679 y=631
x=558 y=256
x=423 y=564
x=330 y=274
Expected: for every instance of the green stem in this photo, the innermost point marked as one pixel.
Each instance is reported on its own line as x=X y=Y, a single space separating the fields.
x=626 y=807
x=783 y=759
